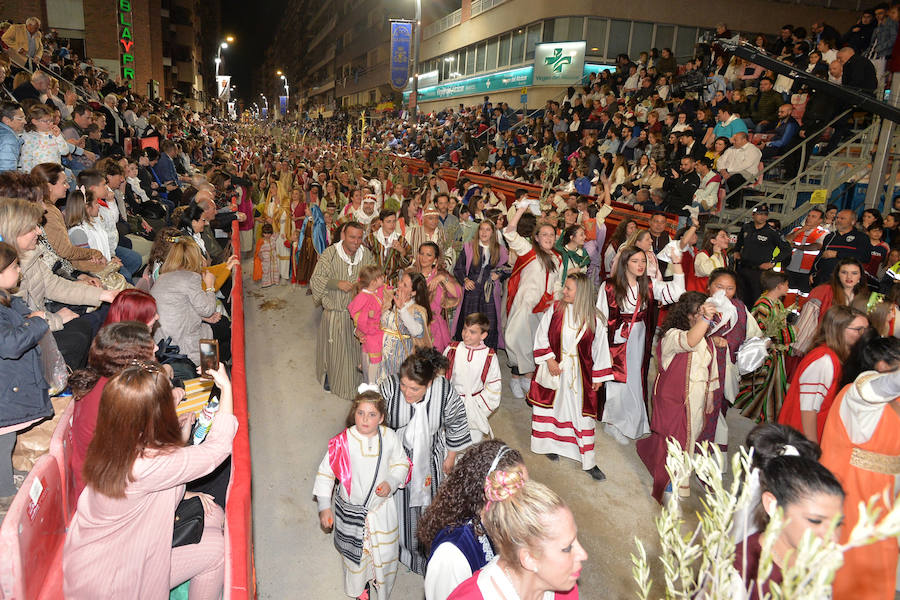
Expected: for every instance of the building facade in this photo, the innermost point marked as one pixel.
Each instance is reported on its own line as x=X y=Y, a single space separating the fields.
x=156 y=45
x=487 y=47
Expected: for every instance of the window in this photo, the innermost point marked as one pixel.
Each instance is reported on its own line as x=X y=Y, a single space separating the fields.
x=490 y=62
x=684 y=43
x=641 y=36
x=596 y=36
x=503 y=56
x=518 y=47
x=549 y=26
x=665 y=35
x=480 y=57
x=371 y=96
x=619 y=34
x=470 y=60
x=533 y=39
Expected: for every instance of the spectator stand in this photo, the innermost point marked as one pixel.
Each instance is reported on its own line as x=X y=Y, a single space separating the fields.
x=34 y=530
x=507 y=188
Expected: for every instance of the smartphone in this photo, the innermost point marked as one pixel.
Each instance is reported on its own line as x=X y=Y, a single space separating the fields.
x=209 y=357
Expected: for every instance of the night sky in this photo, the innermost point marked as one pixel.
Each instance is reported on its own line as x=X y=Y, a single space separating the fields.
x=253 y=25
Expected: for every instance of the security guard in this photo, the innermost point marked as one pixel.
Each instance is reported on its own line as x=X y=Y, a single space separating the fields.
x=758 y=248
x=846 y=241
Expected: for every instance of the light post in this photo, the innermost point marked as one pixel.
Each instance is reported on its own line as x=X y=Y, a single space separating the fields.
x=229 y=39
x=287 y=90
x=416 y=41
x=266 y=105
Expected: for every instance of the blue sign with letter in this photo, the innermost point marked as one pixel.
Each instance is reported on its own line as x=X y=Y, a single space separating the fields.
x=401 y=39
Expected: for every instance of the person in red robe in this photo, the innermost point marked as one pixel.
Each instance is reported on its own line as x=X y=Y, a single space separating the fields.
x=683 y=392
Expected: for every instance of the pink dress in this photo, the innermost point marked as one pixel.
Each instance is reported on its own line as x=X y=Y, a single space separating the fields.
x=122 y=547
x=440 y=330
x=365 y=309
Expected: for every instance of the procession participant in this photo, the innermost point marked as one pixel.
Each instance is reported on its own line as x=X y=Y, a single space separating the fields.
x=391 y=250
x=332 y=281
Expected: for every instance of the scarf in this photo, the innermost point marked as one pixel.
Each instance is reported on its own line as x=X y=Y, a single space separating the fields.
x=386 y=242
x=417 y=437
x=357 y=258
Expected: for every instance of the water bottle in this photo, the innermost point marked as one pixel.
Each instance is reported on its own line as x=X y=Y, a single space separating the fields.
x=204 y=420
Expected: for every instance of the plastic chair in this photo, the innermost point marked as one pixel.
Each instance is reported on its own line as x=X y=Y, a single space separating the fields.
x=32 y=536
x=61 y=449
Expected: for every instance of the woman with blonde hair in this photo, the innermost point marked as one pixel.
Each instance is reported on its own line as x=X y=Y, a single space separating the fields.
x=20 y=227
x=536 y=539
x=571 y=350
x=186 y=302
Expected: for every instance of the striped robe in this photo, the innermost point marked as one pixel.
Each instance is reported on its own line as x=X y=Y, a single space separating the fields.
x=450 y=430
x=337 y=349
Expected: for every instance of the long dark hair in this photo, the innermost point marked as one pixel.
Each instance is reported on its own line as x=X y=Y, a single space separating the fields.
x=680 y=313
x=136 y=414
x=420 y=290
x=620 y=279
x=792 y=478
x=860 y=295
x=423 y=365
x=547 y=259
x=461 y=497
x=115 y=346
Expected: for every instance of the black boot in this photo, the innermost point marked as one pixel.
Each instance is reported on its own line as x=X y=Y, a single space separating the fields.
x=597 y=474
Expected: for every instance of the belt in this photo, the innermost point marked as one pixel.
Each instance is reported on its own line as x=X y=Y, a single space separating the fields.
x=886 y=464
x=396 y=334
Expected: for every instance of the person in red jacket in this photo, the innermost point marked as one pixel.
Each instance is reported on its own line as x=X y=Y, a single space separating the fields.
x=816 y=381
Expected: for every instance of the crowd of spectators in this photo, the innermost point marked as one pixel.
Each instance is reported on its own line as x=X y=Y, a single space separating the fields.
x=117 y=209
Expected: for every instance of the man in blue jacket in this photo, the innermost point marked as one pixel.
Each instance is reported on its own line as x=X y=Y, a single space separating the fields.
x=12 y=124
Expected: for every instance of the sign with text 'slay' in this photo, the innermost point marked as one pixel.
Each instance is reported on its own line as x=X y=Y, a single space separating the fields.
x=401 y=41
x=559 y=63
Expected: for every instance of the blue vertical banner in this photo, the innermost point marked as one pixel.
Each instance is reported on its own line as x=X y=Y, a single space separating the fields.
x=401 y=40
x=282 y=104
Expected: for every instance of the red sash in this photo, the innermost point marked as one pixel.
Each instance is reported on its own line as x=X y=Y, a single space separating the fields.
x=541 y=396
x=512 y=286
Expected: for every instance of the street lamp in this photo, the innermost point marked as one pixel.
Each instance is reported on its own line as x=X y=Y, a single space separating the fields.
x=229 y=39
x=416 y=41
x=287 y=89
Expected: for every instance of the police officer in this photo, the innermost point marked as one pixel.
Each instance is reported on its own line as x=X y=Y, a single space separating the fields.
x=846 y=241
x=758 y=248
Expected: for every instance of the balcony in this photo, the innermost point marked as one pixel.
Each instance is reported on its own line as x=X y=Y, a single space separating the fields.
x=443 y=24
x=363 y=79
x=328 y=57
x=326 y=29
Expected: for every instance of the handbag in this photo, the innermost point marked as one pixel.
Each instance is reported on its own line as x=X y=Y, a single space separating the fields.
x=350 y=519
x=189 y=520
x=54 y=366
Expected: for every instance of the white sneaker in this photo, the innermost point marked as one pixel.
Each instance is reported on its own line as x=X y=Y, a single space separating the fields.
x=517 y=390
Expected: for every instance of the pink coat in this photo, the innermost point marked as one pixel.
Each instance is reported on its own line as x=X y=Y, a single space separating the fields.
x=365 y=309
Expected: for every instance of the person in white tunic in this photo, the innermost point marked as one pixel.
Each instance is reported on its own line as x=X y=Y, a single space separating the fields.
x=368 y=461
x=531 y=289
x=474 y=372
x=627 y=302
x=572 y=353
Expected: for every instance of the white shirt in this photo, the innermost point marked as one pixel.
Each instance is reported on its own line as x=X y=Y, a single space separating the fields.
x=744 y=161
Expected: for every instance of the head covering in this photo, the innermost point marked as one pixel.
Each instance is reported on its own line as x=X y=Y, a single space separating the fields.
x=431 y=209
x=761 y=208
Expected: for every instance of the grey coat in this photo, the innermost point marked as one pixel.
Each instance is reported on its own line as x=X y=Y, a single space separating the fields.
x=182 y=304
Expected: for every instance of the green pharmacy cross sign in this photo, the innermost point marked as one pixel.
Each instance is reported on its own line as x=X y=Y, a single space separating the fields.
x=557 y=61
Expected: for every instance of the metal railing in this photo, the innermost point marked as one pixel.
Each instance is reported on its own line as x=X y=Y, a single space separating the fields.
x=480 y=6
x=442 y=24
x=788 y=189
x=801 y=147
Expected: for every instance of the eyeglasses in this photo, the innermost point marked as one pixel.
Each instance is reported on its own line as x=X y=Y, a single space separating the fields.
x=859 y=329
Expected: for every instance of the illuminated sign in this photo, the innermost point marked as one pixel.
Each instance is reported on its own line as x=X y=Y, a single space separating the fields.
x=127 y=42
